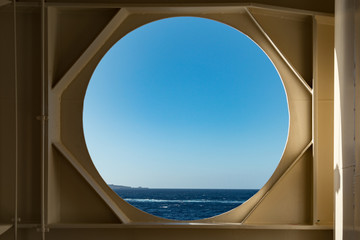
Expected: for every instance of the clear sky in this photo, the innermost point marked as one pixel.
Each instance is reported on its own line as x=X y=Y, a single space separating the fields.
x=186 y=103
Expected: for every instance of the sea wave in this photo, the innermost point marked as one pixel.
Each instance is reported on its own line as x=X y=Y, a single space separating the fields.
x=182 y=201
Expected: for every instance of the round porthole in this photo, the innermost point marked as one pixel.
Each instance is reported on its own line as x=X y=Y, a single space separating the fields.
x=185 y=118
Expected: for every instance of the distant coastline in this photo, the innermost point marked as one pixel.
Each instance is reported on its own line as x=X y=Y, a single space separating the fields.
x=122 y=187
x=119 y=187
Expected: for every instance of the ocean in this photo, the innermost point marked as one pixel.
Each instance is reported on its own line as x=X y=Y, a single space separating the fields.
x=185 y=204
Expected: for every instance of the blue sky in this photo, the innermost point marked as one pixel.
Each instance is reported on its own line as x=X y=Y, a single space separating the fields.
x=186 y=103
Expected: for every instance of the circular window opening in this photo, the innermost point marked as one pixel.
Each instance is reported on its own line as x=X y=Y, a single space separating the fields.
x=185 y=118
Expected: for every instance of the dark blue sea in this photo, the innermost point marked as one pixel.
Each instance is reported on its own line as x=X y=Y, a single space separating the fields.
x=185 y=204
